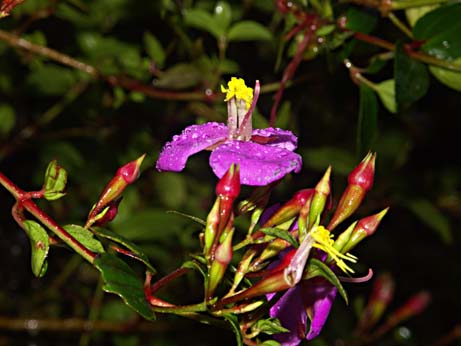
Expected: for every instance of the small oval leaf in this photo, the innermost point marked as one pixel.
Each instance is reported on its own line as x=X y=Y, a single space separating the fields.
x=40 y=246
x=248 y=31
x=55 y=181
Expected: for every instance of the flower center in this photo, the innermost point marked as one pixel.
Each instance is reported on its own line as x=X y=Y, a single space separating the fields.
x=324 y=241
x=240 y=105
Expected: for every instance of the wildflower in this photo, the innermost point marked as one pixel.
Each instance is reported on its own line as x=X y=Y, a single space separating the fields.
x=264 y=155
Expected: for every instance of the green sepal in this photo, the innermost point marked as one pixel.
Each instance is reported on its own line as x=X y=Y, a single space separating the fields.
x=316 y=268
x=117 y=238
x=269 y=326
x=188 y=216
x=280 y=233
x=40 y=245
x=120 y=279
x=55 y=181
x=233 y=321
x=85 y=237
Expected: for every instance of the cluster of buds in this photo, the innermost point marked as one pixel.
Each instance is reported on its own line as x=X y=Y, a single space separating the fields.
x=287 y=250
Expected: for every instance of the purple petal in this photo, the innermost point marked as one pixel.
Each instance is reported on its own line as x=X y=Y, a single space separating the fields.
x=193 y=139
x=318 y=297
x=291 y=314
x=278 y=138
x=259 y=164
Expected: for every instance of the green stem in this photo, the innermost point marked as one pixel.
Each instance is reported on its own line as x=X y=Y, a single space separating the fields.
x=24 y=200
x=399 y=24
x=181 y=309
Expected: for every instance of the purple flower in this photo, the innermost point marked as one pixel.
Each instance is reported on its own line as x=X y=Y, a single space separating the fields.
x=308 y=299
x=264 y=155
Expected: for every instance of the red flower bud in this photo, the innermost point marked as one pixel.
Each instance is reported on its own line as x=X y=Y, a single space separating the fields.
x=130 y=171
x=363 y=174
x=229 y=184
x=360 y=182
x=109 y=214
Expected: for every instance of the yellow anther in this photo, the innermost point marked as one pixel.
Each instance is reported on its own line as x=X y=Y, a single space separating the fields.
x=324 y=241
x=237 y=88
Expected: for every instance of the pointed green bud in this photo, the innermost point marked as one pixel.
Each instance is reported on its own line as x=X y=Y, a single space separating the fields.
x=364 y=228
x=211 y=228
x=222 y=258
x=360 y=182
x=322 y=191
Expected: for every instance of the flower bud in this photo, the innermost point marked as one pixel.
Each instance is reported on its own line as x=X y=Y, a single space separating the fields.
x=108 y=214
x=229 y=185
x=222 y=258
x=364 y=228
x=360 y=181
x=211 y=228
x=124 y=176
x=291 y=208
x=322 y=191
x=381 y=296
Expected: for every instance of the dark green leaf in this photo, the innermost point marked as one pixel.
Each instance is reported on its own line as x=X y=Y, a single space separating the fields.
x=248 y=31
x=432 y=217
x=280 y=233
x=386 y=92
x=150 y=224
x=367 y=126
x=318 y=268
x=451 y=79
x=85 y=237
x=180 y=76
x=55 y=181
x=413 y=14
x=52 y=79
x=360 y=20
x=320 y=158
x=39 y=243
x=269 y=326
x=7 y=118
x=376 y=65
x=117 y=238
x=411 y=78
x=120 y=279
x=233 y=321
x=154 y=49
x=202 y=20
x=440 y=30
x=222 y=15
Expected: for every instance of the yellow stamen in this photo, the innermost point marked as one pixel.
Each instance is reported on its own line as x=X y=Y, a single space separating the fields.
x=237 y=88
x=324 y=241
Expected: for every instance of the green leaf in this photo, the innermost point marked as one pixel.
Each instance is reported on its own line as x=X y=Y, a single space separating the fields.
x=202 y=20
x=55 y=181
x=360 y=20
x=180 y=76
x=320 y=158
x=151 y=224
x=280 y=233
x=451 y=79
x=318 y=268
x=269 y=326
x=386 y=92
x=40 y=245
x=7 y=118
x=440 y=30
x=367 y=126
x=415 y=13
x=248 y=30
x=190 y=217
x=222 y=15
x=154 y=49
x=171 y=189
x=432 y=217
x=233 y=321
x=51 y=79
x=120 y=279
x=117 y=238
x=85 y=237
x=411 y=78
